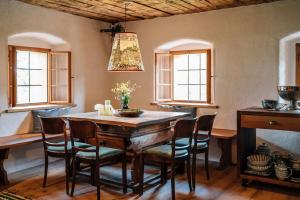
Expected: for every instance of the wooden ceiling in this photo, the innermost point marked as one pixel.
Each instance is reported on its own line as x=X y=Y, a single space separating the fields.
x=113 y=10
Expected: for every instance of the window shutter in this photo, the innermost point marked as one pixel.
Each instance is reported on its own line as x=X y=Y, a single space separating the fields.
x=59 y=77
x=11 y=71
x=163 y=78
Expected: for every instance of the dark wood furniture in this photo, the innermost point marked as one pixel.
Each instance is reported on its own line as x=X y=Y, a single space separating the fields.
x=55 y=126
x=248 y=120
x=224 y=138
x=86 y=131
x=14 y=141
x=132 y=134
x=170 y=155
x=201 y=145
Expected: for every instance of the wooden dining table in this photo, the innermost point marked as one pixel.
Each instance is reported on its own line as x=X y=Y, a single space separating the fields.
x=132 y=135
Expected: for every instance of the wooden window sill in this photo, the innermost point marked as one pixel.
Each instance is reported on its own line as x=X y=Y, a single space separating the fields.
x=38 y=107
x=192 y=104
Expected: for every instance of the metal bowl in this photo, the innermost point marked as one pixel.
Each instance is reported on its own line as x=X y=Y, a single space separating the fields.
x=269 y=104
x=290 y=93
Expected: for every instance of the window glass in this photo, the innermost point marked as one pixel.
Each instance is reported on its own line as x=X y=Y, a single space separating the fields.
x=189 y=76
x=31 y=77
x=203 y=60
x=180 y=62
x=194 y=92
x=194 y=61
x=194 y=77
x=181 y=92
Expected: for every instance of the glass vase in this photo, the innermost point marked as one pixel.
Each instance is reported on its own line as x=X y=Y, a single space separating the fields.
x=124 y=102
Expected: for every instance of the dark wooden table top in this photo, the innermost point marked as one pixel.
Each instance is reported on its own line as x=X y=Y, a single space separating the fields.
x=147 y=118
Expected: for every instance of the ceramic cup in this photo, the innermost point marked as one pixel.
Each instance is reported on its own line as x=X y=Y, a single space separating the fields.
x=282 y=171
x=296 y=165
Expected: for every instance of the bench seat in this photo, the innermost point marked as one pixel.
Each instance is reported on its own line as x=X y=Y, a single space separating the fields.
x=18 y=140
x=13 y=141
x=224 y=138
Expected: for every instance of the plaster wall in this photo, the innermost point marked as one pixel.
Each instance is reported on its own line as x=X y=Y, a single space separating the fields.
x=90 y=50
x=246 y=57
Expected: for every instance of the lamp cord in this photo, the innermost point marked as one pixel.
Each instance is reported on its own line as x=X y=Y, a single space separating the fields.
x=125 y=15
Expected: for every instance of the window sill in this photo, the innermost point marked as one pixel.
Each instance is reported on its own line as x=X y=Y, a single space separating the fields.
x=197 y=105
x=38 y=107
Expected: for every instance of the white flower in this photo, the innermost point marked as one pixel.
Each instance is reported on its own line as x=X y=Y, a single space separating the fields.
x=124 y=89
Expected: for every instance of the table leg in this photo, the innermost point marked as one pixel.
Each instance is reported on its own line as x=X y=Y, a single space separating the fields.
x=3 y=174
x=180 y=168
x=226 y=159
x=135 y=172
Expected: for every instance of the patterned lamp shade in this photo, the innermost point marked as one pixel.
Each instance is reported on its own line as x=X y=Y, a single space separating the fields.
x=125 y=54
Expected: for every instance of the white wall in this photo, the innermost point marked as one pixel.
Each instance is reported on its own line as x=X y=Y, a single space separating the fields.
x=90 y=50
x=246 y=57
x=246 y=53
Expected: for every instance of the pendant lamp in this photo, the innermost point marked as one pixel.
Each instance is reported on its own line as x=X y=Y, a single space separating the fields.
x=125 y=54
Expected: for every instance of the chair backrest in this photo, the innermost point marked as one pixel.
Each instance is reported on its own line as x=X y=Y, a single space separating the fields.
x=52 y=125
x=82 y=130
x=184 y=128
x=205 y=123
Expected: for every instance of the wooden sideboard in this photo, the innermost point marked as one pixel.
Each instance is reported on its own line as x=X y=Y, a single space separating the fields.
x=248 y=120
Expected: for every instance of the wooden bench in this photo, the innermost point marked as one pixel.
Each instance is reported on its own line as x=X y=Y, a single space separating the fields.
x=224 y=138
x=13 y=141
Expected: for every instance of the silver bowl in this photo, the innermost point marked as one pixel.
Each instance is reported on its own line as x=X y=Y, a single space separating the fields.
x=290 y=93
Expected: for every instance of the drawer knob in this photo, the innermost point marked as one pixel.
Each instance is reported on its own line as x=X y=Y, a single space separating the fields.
x=272 y=122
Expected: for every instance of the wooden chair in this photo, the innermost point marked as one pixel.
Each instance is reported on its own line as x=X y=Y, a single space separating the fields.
x=56 y=126
x=200 y=143
x=94 y=156
x=171 y=154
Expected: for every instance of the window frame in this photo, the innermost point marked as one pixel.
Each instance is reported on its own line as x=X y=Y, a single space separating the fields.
x=12 y=76
x=156 y=78
x=208 y=75
x=50 y=78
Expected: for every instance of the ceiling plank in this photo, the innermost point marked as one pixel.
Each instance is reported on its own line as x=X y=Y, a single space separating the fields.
x=113 y=10
x=183 y=5
x=75 y=11
x=150 y=6
x=77 y=4
x=193 y=5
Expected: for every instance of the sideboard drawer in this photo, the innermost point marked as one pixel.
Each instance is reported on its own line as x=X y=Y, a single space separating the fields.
x=270 y=122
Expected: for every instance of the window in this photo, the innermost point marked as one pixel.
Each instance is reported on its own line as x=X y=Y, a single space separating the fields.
x=38 y=76
x=183 y=76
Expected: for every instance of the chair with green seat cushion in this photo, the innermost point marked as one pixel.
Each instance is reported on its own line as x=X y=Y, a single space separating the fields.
x=69 y=146
x=171 y=154
x=165 y=151
x=55 y=126
x=86 y=131
x=104 y=152
x=204 y=124
x=184 y=141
